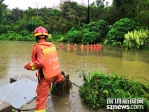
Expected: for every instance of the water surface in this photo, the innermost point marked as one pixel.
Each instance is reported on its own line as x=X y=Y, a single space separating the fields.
x=14 y=54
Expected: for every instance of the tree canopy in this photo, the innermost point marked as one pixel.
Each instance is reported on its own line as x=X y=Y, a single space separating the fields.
x=60 y=21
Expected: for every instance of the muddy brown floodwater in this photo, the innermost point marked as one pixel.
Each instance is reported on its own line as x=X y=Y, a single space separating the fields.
x=14 y=54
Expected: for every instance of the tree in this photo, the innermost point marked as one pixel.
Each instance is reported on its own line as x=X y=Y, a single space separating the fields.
x=2 y=11
x=33 y=23
x=142 y=13
x=100 y=27
x=99 y=2
x=73 y=12
x=125 y=8
x=14 y=15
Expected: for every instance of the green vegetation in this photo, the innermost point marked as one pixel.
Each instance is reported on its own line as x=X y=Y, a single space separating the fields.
x=69 y=23
x=136 y=39
x=88 y=33
x=116 y=34
x=97 y=87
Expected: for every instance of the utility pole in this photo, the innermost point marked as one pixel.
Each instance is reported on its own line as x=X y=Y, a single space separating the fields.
x=88 y=17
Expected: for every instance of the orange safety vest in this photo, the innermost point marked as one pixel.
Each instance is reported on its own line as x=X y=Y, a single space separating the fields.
x=51 y=64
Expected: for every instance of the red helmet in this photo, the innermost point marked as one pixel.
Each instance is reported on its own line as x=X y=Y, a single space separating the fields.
x=40 y=31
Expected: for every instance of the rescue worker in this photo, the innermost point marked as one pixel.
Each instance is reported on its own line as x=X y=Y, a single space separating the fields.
x=68 y=47
x=60 y=46
x=87 y=47
x=82 y=47
x=75 y=47
x=44 y=58
x=91 y=47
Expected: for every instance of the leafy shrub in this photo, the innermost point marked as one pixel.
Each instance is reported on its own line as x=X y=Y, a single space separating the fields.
x=136 y=39
x=94 y=32
x=74 y=36
x=99 y=27
x=118 y=30
x=56 y=37
x=97 y=87
x=90 y=37
x=14 y=36
x=24 y=32
x=10 y=35
x=4 y=28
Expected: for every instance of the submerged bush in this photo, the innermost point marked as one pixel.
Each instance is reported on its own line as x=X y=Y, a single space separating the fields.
x=97 y=87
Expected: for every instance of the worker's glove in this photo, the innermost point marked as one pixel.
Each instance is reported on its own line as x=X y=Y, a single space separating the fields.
x=63 y=73
x=27 y=66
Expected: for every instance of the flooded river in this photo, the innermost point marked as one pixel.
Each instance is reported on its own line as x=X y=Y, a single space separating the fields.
x=14 y=54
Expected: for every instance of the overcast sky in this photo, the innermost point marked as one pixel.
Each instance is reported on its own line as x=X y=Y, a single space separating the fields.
x=24 y=4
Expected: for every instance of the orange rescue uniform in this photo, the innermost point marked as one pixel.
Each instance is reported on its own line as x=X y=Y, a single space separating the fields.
x=45 y=59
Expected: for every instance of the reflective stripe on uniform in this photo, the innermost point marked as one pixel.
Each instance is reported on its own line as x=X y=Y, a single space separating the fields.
x=49 y=49
x=40 y=110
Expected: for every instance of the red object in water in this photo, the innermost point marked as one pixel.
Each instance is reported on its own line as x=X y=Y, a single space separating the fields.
x=75 y=47
x=91 y=47
x=60 y=46
x=82 y=47
x=87 y=47
x=68 y=47
x=95 y=47
x=100 y=46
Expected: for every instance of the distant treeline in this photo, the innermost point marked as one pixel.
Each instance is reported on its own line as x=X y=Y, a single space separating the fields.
x=72 y=22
